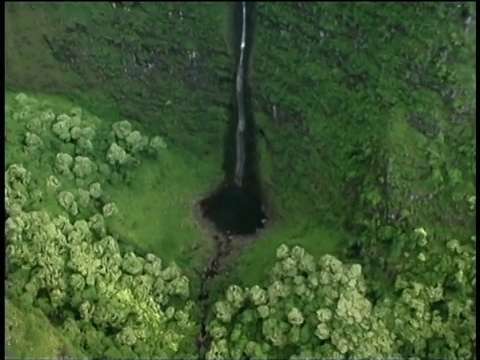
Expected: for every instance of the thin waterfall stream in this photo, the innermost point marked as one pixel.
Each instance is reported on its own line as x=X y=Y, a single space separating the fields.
x=240 y=145
x=235 y=210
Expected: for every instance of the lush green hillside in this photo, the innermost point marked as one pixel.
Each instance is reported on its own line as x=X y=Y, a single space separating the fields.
x=363 y=106
x=115 y=124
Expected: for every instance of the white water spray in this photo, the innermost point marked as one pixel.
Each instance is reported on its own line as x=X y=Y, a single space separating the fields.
x=240 y=134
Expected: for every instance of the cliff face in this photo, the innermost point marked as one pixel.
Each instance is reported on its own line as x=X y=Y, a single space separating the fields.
x=367 y=114
x=350 y=98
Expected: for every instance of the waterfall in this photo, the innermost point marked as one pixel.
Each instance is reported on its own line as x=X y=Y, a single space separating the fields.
x=240 y=133
x=236 y=206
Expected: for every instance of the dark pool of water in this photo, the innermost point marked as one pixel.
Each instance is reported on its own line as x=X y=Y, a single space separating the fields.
x=234 y=210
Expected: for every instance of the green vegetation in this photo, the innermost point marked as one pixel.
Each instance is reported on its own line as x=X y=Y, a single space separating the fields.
x=63 y=253
x=320 y=308
x=356 y=100
x=368 y=167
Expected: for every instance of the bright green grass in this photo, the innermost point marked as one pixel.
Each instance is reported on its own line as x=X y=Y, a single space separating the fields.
x=157 y=208
x=29 y=334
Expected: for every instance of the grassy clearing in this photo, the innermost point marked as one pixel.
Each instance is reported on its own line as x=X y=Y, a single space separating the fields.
x=157 y=208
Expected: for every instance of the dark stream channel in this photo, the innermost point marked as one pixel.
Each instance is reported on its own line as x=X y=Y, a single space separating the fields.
x=236 y=207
